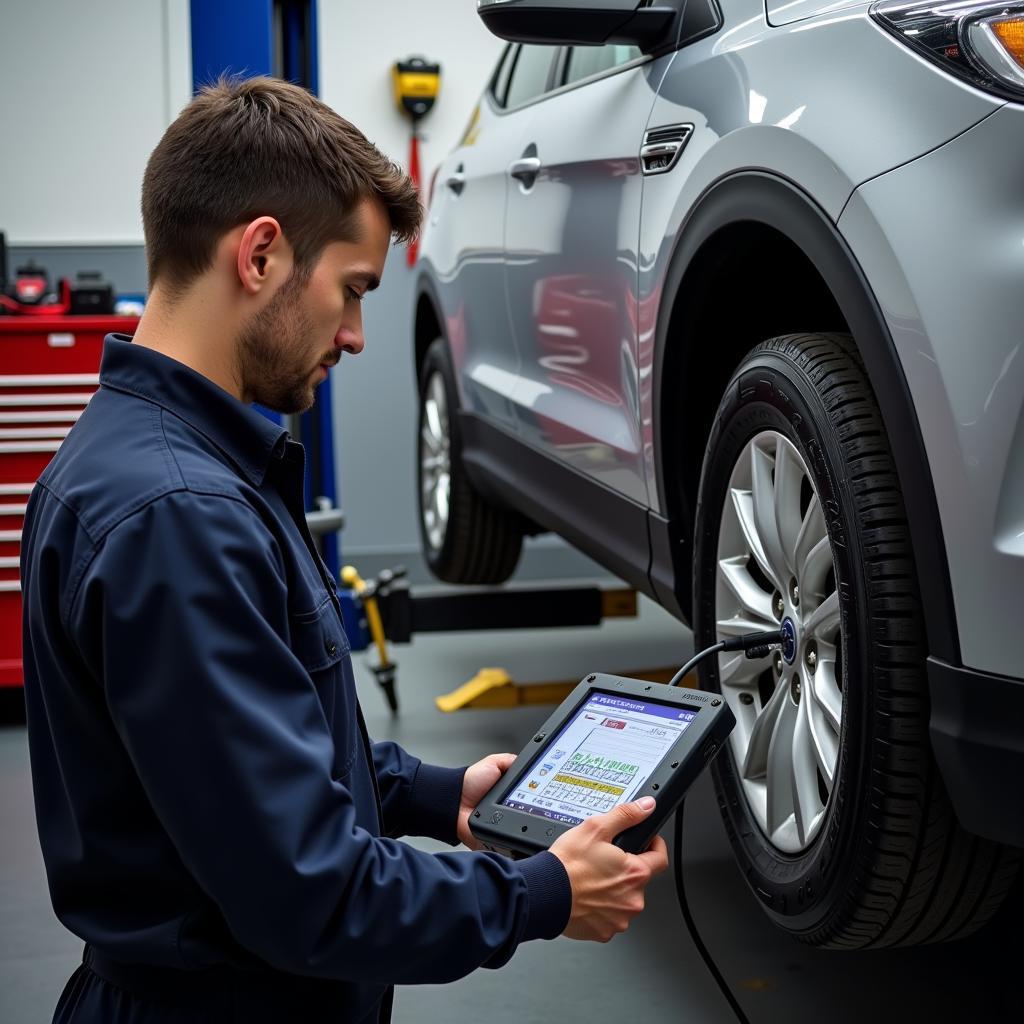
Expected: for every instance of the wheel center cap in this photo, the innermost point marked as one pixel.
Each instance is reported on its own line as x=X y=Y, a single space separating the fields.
x=788 y=640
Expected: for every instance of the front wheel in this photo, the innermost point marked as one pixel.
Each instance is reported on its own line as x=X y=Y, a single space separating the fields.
x=830 y=795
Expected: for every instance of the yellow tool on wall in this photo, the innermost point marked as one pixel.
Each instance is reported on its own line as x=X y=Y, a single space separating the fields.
x=417 y=83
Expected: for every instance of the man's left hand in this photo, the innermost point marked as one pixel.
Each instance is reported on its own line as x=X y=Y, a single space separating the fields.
x=479 y=779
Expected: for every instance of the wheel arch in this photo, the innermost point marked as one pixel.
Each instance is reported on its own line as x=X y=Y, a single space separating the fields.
x=428 y=322
x=755 y=258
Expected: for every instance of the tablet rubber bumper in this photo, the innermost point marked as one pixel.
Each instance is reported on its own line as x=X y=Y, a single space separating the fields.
x=977 y=733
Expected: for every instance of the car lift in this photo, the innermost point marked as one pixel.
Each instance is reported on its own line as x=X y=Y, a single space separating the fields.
x=385 y=609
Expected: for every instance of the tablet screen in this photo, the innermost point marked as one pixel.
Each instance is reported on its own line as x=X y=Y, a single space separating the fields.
x=600 y=758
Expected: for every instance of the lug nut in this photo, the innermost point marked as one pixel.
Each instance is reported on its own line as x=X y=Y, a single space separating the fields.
x=794 y=689
x=777 y=659
x=780 y=606
x=812 y=659
x=794 y=593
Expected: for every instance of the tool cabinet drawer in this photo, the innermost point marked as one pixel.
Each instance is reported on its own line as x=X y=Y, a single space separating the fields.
x=49 y=370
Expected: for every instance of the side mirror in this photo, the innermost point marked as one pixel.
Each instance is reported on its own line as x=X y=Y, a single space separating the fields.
x=579 y=22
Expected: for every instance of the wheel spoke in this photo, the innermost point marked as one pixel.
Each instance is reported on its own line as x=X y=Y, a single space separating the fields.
x=730 y=668
x=738 y=625
x=752 y=598
x=441 y=496
x=814 y=570
x=824 y=620
x=743 y=503
x=824 y=745
x=825 y=693
x=807 y=803
x=789 y=477
x=433 y=425
x=435 y=462
x=755 y=764
x=779 y=766
x=438 y=396
x=432 y=443
x=812 y=531
x=763 y=499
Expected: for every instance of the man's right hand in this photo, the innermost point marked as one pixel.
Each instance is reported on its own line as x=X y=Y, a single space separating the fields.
x=607 y=883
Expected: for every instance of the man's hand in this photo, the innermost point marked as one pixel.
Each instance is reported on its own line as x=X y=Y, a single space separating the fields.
x=607 y=883
x=479 y=779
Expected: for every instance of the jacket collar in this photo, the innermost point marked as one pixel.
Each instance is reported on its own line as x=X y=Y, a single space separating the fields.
x=248 y=438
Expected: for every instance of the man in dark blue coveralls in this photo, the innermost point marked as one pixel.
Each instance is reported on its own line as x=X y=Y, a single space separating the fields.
x=216 y=824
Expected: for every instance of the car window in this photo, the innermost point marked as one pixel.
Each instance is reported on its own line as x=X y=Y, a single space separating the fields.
x=499 y=80
x=530 y=74
x=585 y=61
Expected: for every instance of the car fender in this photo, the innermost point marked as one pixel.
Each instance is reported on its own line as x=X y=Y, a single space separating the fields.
x=770 y=200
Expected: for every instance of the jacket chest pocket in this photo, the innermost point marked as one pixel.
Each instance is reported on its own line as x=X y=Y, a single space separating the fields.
x=319 y=642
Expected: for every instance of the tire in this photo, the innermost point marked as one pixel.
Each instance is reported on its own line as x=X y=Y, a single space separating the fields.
x=466 y=539
x=873 y=854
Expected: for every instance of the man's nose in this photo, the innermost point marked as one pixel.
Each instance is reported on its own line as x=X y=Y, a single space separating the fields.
x=349 y=340
x=350 y=337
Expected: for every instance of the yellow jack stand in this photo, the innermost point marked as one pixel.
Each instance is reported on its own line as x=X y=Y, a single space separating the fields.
x=495 y=688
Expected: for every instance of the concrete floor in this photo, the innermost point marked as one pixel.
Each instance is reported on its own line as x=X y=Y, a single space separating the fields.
x=652 y=974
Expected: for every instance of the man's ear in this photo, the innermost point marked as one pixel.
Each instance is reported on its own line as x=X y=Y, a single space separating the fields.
x=264 y=256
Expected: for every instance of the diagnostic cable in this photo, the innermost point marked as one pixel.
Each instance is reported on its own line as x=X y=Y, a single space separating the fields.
x=754 y=645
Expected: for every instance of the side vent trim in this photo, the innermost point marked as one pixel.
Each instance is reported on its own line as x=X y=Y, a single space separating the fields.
x=662 y=147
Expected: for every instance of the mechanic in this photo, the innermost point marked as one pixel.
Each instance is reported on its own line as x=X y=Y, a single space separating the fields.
x=215 y=822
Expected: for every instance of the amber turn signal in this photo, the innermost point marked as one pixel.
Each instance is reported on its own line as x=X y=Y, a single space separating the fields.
x=1010 y=32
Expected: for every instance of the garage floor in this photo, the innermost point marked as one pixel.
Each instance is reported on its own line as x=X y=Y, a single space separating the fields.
x=650 y=975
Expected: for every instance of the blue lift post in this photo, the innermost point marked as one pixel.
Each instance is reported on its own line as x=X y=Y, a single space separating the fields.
x=275 y=37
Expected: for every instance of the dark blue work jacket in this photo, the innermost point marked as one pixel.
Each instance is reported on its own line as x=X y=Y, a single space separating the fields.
x=206 y=794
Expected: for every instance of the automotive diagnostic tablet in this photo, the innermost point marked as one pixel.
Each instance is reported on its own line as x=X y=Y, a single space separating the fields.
x=611 y=741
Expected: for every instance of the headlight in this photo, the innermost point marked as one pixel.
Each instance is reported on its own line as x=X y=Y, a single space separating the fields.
x=982 y=43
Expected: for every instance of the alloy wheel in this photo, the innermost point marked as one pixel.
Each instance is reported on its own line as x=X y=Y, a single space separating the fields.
x=435 y=462
x=775 y=568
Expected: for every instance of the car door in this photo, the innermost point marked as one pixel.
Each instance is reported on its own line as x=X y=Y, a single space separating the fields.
x=571 y=235
x=466 y=240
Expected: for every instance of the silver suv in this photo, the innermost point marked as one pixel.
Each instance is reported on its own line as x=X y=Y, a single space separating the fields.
x=729 y=295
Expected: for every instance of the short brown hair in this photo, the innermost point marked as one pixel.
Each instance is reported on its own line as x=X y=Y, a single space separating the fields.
x=260 y=146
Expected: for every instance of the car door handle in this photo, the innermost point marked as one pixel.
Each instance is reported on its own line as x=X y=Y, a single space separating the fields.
x=456 y=181
x=525 y=169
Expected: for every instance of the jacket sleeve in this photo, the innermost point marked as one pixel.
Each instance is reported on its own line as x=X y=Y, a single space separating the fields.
x=184 y=610
x=418 y=799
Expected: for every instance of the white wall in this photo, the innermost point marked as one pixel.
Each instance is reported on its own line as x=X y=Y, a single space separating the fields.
x=375 y=394
x=87 y=90
x=359 y=43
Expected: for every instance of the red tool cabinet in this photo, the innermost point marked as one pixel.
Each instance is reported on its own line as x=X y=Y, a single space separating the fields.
x=49 y=369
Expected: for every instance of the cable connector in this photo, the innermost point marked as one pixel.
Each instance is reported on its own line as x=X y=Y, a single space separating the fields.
x=752 y=640
x=761 y=643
